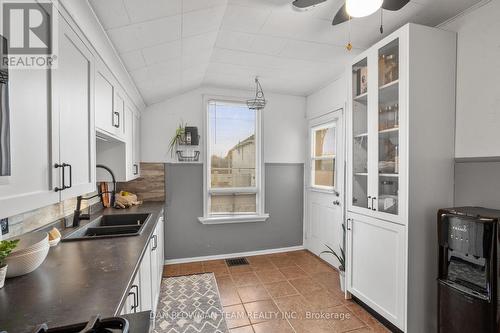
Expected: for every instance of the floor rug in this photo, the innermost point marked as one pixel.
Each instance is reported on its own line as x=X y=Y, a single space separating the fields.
x=190 y=304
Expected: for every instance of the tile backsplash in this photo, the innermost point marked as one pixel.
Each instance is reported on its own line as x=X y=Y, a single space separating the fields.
x=37 y=218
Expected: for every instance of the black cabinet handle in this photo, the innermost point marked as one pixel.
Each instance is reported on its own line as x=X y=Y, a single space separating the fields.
x=370 y=199
x=136 y=297
x=348 y=227
x=136 y=169
x=57 y=166
x=64 y=186
x=116 y=115
x=70 y=175
x=373 y=206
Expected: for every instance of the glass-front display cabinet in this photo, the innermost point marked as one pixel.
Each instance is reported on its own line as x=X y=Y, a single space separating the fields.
x=374 y=164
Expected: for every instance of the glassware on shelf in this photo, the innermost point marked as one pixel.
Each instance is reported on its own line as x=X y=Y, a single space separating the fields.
x=391 y=68
x=388 y=117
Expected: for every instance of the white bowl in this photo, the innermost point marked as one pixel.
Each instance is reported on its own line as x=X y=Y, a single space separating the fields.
x=21 y=264
x=31 y=242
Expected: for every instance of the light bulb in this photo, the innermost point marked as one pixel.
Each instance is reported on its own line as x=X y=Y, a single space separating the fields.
x=362 y=8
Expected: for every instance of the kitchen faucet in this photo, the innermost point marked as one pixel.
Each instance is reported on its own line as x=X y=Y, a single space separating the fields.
x=77 y=215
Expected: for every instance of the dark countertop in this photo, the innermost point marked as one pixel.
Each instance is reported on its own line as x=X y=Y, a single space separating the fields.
x=77 y=280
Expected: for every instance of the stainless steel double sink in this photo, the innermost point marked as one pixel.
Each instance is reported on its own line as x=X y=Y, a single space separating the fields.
x=110 y=226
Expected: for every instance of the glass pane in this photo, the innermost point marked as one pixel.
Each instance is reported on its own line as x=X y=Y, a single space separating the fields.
x=360 y=134
x=388 y=128
x=232 y=145
x=324 y=142
x=233 y=203
x=324 y=173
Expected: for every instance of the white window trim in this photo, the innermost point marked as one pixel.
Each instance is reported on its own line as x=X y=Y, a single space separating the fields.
x=312 y=158
x=260 y=215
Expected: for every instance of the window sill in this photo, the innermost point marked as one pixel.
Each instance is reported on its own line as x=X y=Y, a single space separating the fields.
x=233 y=219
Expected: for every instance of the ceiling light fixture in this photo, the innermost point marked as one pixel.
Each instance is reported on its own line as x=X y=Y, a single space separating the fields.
x=362 y=8
x=259 y=101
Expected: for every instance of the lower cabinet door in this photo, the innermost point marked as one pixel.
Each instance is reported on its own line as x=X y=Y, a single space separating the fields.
x=146 y=293
x=376 y=252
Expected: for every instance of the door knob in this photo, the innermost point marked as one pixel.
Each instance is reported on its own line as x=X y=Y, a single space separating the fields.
x=336 y=203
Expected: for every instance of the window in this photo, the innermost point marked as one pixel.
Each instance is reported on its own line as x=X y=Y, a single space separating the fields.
x=233 y=164
x=323 y=152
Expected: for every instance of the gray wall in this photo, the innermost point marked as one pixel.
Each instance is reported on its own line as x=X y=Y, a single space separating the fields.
x=477 y=183
x=186 y=237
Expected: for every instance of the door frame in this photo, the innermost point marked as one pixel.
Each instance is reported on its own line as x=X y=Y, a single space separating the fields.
x=337 y=114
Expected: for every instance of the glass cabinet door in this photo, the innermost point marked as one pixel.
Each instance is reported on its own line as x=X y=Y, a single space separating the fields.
x=360 y=134
x=388 y=129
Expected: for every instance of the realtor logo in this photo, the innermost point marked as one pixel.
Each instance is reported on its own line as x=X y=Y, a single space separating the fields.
x=30 y=28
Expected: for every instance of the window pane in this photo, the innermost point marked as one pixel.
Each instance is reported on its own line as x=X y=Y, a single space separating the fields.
x=324 y=142
x=324 y=172
x=233 y=203
x=232 y=145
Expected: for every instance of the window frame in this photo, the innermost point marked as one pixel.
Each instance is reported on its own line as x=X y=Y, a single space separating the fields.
x=219 y=218
x=313 y=158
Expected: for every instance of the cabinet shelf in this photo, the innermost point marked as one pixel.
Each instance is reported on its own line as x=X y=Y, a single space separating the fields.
x=363 y=98
x=362 y=135
x=389 y=130
x=388 y=85
x=361 y=174
x=394 y=175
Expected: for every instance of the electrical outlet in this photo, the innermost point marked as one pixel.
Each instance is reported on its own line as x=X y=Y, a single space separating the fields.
x=4 y=225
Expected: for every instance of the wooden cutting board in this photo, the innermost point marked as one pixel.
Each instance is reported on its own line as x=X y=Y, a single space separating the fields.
x=103 y=187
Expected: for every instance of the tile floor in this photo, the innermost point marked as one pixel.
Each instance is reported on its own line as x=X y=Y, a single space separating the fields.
x=281 y=293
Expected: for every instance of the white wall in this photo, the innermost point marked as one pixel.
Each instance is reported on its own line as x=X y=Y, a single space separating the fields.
x=478 y=87
x=284 y=124
x=327 y=99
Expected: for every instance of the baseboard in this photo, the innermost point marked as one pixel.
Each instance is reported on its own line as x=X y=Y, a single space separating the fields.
x=234 y=255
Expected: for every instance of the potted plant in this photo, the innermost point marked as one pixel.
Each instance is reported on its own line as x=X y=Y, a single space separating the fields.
x=177 y=138
x=341 y=258
x=6 y=248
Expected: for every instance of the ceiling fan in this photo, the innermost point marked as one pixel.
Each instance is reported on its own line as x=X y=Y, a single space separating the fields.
x=354 y=8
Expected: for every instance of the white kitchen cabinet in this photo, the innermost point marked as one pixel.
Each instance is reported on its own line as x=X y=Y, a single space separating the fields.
x=74 y=140
x=133 y=300
x=144 y=292
x=121 y=156
x=146 y=283
x=53 y=134
x=119 y=114
x=400 y=142
x=30 y=184
x=136 y=139
x=376 y=273
x=104 y=94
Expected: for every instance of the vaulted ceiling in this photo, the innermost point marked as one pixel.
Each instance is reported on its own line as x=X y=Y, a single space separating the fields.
x=171 y=46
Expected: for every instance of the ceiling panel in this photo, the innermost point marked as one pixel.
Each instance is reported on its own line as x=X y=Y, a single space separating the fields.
x=170 y=46
x=145 y=10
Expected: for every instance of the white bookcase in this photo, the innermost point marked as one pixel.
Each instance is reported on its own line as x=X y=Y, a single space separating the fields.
x=400 y=143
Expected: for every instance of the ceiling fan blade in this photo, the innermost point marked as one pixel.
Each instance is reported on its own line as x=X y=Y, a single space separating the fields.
x=394 y=4
x=306 y=4
x=341 y=16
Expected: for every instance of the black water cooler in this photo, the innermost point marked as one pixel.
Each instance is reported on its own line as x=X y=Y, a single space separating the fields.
x=468 y=270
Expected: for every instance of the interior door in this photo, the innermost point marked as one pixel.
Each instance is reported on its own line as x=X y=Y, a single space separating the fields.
x=74 y=103
x=325 y=185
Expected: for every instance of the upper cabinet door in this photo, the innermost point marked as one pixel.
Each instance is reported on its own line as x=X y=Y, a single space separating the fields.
x=137 y=145
x=388 y=130
x=73 y=96
x=119 y=115
x=104 y=92
x=376 y=110
x=30 y=183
